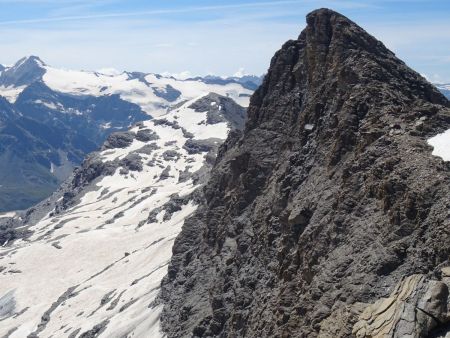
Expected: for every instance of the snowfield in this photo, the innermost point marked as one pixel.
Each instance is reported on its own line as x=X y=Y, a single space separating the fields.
x=10 y=92
x=96 y=268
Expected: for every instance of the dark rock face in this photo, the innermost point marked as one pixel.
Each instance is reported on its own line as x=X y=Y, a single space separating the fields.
x=328 y=198
x=146 y=135
x=199 y=146
x=169 y=93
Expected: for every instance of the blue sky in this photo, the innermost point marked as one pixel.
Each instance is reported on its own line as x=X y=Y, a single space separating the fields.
x=202 y=36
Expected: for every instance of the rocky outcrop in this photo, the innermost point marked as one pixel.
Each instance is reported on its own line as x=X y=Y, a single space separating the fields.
x=120 y=140
x=221 y=109
x=415 y=307
x=329 y=198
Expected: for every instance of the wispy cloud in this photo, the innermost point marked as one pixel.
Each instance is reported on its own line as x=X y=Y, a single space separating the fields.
x=150 y=12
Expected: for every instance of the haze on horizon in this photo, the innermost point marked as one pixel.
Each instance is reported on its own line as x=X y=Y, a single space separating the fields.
x=208 y=37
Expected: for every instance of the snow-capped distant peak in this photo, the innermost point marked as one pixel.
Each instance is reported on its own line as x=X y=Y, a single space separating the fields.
x=444 y=88
x=109 y=71
x=29 y=61
x=443 y=85
x=24 y=72
x=240 y=73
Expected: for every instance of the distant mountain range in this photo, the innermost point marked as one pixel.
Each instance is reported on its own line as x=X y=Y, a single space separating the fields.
x=51 y=118
x=444 y=88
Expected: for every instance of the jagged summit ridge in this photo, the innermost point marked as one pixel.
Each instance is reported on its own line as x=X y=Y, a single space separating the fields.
x=24 y=72
x=327 y=200
x=333 y=48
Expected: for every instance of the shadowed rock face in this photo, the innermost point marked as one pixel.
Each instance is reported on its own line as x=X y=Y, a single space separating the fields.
x=327 y=200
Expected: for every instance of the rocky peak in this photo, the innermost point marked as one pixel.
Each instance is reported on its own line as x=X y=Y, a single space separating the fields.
x=334 y=50
x=24 y=72
x=329 y=198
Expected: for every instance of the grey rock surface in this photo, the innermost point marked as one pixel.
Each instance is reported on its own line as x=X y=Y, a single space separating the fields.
x=146 y=135
x=120 y=140
x=415 y=308
x=302 y=228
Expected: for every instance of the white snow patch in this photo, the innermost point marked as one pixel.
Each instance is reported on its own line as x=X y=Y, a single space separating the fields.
x=49 y=105
x=106 y=125
x=441 y=145
x=11 y=93
x=10 y=214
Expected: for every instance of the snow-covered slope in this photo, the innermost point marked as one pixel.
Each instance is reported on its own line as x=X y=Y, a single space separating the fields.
x=93 y=264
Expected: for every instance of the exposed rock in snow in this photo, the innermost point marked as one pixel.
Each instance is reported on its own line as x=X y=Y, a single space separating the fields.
x=119 y=140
